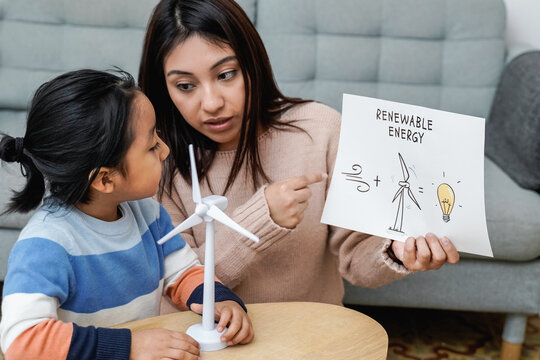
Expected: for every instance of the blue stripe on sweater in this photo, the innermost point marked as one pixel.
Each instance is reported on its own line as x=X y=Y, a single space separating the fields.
x=164 y=225
x=39 y=266
x=116 y=278
x=93 y=282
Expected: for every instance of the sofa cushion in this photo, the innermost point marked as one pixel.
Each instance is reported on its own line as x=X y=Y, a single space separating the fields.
x=513 y=126
x=512 y=216
x=68 y=35
x=28 y=61
x=441 y=54
x=8 y=237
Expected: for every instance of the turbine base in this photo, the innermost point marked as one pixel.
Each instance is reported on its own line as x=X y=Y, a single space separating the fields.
x=209 y=340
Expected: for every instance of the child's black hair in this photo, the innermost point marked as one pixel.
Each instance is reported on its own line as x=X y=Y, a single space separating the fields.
x=77 y=123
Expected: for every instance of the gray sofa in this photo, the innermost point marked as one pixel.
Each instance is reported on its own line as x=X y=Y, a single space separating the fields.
x=445 y=54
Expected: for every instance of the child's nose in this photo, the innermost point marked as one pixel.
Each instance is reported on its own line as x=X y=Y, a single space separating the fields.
x=164 y=150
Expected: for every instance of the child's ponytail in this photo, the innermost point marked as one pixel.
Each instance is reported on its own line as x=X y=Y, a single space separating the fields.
x=12 y=150
x=76 y=123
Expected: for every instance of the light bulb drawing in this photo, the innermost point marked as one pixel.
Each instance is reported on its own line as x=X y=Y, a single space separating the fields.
x=446 y=196
x=404 y=184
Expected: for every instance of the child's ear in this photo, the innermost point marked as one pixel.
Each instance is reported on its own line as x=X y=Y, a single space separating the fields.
x=104 y=182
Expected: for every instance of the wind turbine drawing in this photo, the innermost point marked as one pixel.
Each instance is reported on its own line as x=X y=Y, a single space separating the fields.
x=208 y=209
x=400 y=193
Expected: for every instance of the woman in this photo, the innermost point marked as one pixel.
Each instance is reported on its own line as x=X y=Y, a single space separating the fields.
x=205 y=69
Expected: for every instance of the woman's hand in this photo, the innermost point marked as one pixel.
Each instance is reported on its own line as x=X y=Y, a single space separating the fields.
x=288 y=199
x=230 y=314
x=156 y=344
x=425 y=253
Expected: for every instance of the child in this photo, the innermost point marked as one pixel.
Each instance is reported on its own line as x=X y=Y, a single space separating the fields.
x=89 y=257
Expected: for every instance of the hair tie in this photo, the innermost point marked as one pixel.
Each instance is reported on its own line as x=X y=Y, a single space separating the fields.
x=19 y=147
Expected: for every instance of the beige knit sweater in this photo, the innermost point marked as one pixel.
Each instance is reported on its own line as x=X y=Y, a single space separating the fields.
x=302 y=264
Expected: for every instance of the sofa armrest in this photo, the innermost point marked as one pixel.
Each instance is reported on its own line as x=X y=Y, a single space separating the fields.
x=513 y=125
x=516 y=49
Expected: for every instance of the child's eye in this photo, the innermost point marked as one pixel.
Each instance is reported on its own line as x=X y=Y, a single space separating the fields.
x=155 y=147
x=227 y=75
x=184 y=87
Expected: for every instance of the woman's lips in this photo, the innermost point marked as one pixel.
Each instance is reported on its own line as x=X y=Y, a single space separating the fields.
x=218 y=124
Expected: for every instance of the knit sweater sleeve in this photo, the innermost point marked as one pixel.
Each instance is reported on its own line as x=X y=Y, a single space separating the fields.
x=234 y=253
x=363 y=259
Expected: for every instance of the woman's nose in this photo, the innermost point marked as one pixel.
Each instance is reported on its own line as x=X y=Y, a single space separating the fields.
x=212 y=99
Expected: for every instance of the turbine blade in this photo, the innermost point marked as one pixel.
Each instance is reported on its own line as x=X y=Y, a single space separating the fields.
x=413 y=198
x=186 y=224
x=194 y=177
x=404 y=168
x=400 y=191
x=215 y=213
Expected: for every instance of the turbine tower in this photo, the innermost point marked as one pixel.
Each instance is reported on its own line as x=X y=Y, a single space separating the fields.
x=402 y=186
x=208 y=209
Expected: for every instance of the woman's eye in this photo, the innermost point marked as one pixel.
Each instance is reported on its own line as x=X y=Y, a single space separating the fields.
x=227 y=75
x=184 y=86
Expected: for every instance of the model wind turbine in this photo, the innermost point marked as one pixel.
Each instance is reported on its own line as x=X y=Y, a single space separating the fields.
x=402 y=186
x=208 y=209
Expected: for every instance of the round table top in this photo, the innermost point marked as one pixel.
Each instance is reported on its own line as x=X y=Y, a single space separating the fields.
x=292 y=330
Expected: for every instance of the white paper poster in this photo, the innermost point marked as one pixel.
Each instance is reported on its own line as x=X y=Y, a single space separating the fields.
x=404 y=170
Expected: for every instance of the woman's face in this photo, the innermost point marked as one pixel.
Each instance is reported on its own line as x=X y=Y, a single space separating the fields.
x=206 y=85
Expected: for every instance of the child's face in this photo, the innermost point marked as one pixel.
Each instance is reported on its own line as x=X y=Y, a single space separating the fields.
x=206 y=85
x=144 y=158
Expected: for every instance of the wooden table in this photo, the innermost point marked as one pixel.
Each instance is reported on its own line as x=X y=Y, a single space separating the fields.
x=293 y=330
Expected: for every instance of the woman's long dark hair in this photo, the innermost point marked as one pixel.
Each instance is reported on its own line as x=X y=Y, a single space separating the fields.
x=77 y=123
x=222 y=22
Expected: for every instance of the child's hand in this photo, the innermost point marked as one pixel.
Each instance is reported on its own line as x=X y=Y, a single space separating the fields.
x=161 y=343
x=229 y=313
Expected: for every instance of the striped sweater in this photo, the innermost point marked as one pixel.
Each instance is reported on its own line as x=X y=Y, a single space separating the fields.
x=70 y=276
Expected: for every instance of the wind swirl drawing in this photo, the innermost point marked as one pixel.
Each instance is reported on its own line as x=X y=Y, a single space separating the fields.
x=355 y=176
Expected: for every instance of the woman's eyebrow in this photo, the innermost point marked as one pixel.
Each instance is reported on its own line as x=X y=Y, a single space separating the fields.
x=178 y=72
x=222 y=61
